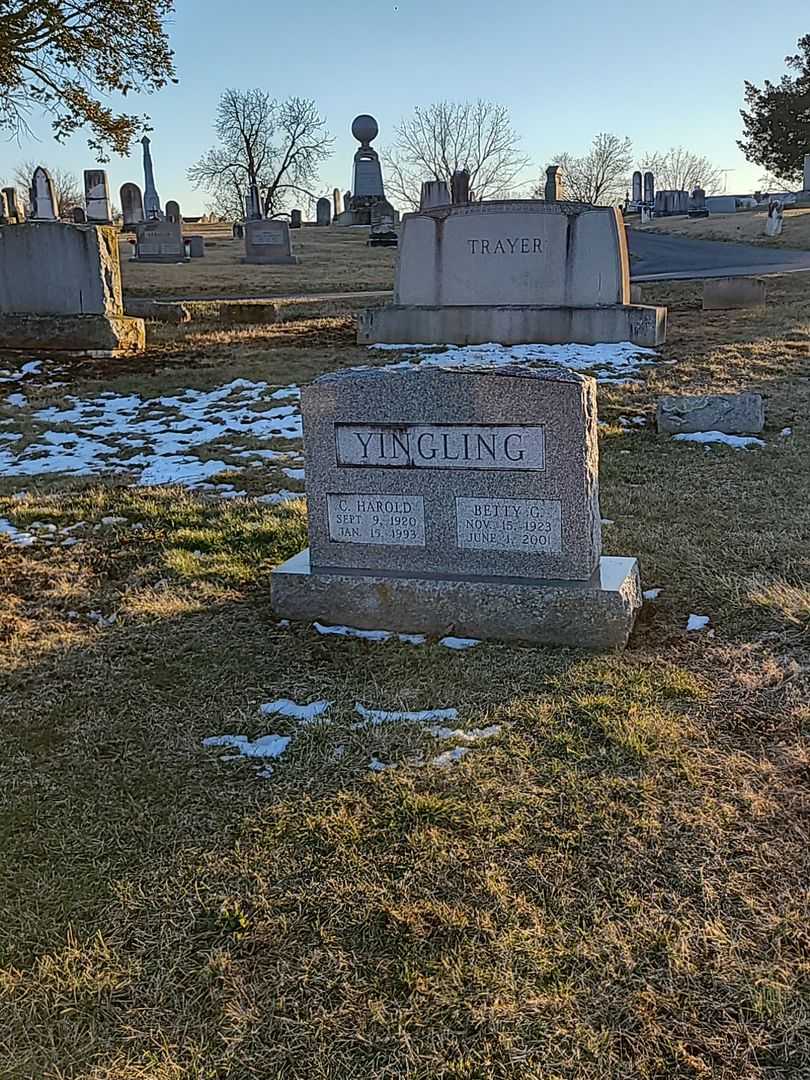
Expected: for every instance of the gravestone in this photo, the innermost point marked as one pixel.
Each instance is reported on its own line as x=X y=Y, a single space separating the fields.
x=97 y=197
x=668 y=203
x=457 y=501
x=649 y=189
x=5 y=216
x=295 y=219
x=253 y=204
x=730 y=293
x=159 y=241
x=554 y=192
x=268 y=242
x=383 y=230
x=776 y=218
x=16 y=211
x=173 y=212
x=79 y=216
x=697 y=203
x=151 y=199
x=323 y=212
x=238 y=231
x=44 y=202
x=732 y=414
x=434 y=193
x=513 y=272
x=807 y=172
x=337 y=202
x=195 y=246
x=62 y=290
x=131 y=205
x=347 y=198
x=637 y=187
x=367 y=179
x=460 y=187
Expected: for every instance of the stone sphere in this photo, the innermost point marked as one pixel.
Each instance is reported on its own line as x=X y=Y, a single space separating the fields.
x=365 y=128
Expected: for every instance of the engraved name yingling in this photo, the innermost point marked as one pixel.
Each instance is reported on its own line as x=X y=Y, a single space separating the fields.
x=439 y=446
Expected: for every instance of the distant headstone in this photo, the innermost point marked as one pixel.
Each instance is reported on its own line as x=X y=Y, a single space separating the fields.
x=195 y=246
x=553 y=184
x=730 y=293
x=159 y=241
x=253 y=204
x=323 y=212
x=151 y=199
x=268 y=242
x=16 y=212
x=295 y=219
x=337 y=202
x=697 y=203
x=173 y=211
x=97 y=197
x=131 y=205
x=458 y=499
x=5 y=216
x=649 y=188
x=238 y=231
x=44 y=202
x=347 y=198
x=732 y=414
x=460 y=187
x=775 y=219
x=79 y=216
x=434 y=193
x=383 y=232
x=637 y=187
x=668 y=203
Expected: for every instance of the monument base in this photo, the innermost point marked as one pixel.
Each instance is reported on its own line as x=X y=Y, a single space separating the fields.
x=159 y=259
x=270 y=260
x=513 y=325
x=596 y=614
x=84 y=335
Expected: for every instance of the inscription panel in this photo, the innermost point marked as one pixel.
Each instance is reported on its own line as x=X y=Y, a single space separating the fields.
x=442 y=446
x=397 y=520
x=533 y=526
x=268 y=237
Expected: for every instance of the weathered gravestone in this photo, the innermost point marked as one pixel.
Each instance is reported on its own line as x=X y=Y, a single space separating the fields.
x=97 y=197
x=61 y=290
x=195 y=246
x=637 y=187
x=457 y=501
x=268 y=242
x=383 y=229
x=131 y=205
x=151 y=199
x=79 y=216
x=434 y=193
x=649 y=188
x=295 y=219
x=44 y=202
x=5 y=217
x=16 y=212
x=173 y=211
x=337 y=202
x=514 y=272
x=554 y=192
x=732 y=414
x=729 y=293
x=253 y=204
x=159 y=241
x=668 y=203
x=460 y=187
x=323 y=212
x=238 y=231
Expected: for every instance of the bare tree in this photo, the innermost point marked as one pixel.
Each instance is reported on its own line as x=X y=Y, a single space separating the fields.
x=598 y=177
x=68 y=187
x=679 y=169
x=440 y=139
x=277 y=145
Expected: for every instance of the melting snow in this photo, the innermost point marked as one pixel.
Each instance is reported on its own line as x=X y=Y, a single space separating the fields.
x=268 y=746
x=459 y=642
x=652 y=594
x=31 y=368
x=304 y=713
x=15 y=535
x=785 y=433
x=449 y=757
x=368 y=635
x=739 y=442
x=697 y=622
x=18 y=400
x=473 y=735
x=376 y=717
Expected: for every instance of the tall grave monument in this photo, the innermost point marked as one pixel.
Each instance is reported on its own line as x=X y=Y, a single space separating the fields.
x=367 y=179
x=151 y=199
x=458 y=502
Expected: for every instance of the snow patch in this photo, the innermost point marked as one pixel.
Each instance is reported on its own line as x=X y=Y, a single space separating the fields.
x=459 y=643
x=267 y=746
x=368 y=635
x=15 y=535
x=697 y=622
x=739 y=442
x=377 y=717
x=303 y=713
x=652 y=594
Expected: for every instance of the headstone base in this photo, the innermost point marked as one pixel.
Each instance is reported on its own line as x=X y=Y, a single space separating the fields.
x=160 y=259
x=598 y=614
x=79 y=335
x=271 y=260
x=513 y=325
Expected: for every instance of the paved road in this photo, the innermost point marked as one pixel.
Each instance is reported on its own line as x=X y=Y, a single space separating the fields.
x=659 y=257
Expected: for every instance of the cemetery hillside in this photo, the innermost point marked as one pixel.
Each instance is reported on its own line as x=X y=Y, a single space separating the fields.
x=404 y=586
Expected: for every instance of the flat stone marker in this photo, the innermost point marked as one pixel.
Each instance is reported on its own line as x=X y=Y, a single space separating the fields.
x=268 y=242
x=730 y=293
x=159 y=241
x=732 y=414
x=464 y=502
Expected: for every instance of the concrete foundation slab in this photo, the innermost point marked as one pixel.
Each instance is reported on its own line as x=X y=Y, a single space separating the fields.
x=83 y=335
x=512 y=325
x=596 y=614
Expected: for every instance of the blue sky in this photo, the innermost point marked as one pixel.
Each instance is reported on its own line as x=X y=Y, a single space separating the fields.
x=566 y=71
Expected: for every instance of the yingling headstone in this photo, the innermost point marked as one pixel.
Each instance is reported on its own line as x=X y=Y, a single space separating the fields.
x=434 y=193
x=513 y=272
x=268 y=243
x=151 y=199
x=457 y=501
x=637 y=187
x=97 y=197
x=131 y=205
x=323 y=212
x=16 y=212
x=295 y=219
x=460 y=187
x=173 y=211
x=554 y=191
x=44 y=202
x=649 y=189
x=337 y=202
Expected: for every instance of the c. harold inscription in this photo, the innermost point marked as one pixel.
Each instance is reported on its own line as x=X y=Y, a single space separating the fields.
x=529 y=525
x=377 y=519
x=440 y=446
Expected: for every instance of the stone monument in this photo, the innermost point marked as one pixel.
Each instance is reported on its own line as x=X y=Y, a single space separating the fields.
x=460 y=187
x=5 y=216
x=253 y=204
x=649 y=189
x=268 y=242
x=697 y=203
x=669 y=203
x=160 y=241
x=44 y=202
x=295 y=219
x=79 y=216
x=637 y=188
x=383 y=232
x=807 y=173
x=514 y=272
x=151 y=199
x=337 y=202
x=173 y=211
x=97 y=197
x=323 y=212
x=460 y=502
x=16 y=211
x=367 y=179
x=434 y=193
x=131 y=205
x=554 y=191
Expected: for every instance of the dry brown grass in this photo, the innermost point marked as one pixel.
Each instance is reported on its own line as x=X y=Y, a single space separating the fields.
x=615 y=886
x=745 y=227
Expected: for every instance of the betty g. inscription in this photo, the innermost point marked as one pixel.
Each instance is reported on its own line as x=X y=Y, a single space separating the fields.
x=519 y=245
x=438 y=446
x=377 y=519
x=533 y=526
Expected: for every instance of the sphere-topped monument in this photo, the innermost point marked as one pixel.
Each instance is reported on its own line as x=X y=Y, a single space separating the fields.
x=367 y=181
x=365 y=129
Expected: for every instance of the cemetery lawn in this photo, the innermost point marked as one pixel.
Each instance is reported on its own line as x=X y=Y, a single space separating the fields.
x=744 y=227
x=612 y=883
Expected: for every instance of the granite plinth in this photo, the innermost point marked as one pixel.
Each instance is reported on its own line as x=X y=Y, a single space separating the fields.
x=727 y=294
x=81 y=335
x=512 y=325
x=597 y=614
